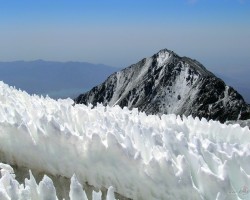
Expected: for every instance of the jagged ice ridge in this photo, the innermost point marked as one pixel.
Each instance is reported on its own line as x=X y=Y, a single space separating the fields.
x=140 y=156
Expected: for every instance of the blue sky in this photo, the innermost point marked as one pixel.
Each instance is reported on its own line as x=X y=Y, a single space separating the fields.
x=119 y=33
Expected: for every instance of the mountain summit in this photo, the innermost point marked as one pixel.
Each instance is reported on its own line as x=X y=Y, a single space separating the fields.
x=167 y=83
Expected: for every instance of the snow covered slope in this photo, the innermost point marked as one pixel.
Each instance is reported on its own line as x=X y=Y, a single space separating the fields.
x=167 y=83
x=142 y=157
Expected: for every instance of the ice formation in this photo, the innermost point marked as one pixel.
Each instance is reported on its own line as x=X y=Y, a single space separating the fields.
x=45 y=190
x=142 y=157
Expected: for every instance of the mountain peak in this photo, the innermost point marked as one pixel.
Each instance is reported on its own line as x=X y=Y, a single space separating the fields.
x=163 y=56
x=167 y=51
x=166 y=83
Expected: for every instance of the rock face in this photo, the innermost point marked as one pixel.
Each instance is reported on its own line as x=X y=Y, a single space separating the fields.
x=167 y=83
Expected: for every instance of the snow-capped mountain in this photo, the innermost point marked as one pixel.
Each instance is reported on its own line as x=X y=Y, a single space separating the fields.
x=167 y=83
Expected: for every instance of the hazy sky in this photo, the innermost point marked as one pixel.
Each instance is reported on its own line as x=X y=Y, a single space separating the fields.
x=119 y=33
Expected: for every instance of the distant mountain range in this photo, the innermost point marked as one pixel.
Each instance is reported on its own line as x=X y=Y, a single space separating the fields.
x=167 y=83
x=57 y=79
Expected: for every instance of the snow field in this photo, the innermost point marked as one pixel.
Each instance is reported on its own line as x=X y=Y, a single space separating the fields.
x=142 y=157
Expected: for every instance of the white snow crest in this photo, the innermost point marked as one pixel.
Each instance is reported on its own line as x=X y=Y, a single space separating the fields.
x=163 y=57
x=142 y=157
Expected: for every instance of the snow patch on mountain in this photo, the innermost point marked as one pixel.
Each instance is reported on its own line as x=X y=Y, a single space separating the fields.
x=177 y=96
x=163 y=57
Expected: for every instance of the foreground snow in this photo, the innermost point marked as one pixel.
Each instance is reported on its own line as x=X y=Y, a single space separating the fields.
x=11 y=189
x=142 y=157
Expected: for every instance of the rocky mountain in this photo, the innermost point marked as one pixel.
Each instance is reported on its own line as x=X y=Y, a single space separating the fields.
x=167 y=83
